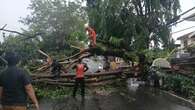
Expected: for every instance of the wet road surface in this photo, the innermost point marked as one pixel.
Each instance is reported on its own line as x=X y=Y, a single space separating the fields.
x=135 y=98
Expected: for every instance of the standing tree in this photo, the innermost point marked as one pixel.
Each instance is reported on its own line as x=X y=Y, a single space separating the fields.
x=133 y=24
x=55 y=20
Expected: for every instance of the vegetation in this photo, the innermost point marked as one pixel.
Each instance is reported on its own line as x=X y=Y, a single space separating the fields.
x=130 y=25
x=52 y=92
x=179 y=84
x=58 y=92
x=124 y=28
x=55 y=22
x=133 y=23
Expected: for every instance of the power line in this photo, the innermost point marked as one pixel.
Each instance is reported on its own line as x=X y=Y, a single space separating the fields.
x=187 y=11
x=175 y=21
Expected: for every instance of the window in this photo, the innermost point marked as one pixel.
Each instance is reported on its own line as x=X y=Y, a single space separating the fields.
x=185 y=43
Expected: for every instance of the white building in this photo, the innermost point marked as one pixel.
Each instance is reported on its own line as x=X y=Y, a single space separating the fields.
x=187 y=40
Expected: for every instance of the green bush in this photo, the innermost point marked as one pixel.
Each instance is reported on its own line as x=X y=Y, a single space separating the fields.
x=52 y=92
x=180 y=84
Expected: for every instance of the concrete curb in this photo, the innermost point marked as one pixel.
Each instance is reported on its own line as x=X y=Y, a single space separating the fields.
x=181 y=98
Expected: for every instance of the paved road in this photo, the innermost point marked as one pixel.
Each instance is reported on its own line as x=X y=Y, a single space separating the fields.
x=134 y=98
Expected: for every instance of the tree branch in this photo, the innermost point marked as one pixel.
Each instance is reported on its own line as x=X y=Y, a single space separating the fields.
x=2 y=29
x=16 y=32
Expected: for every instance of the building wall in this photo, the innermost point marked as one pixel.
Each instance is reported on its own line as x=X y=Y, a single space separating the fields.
x=186 y=42
x=191 y=41
x=183 y=43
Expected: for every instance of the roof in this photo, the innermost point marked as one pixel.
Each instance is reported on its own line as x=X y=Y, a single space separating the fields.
x=185 y=36
x=192 y=35
x=190 y=17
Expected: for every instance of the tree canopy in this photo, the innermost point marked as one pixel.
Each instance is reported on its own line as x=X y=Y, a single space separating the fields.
x=133 y=24
x=125 y=25
x=55 y=21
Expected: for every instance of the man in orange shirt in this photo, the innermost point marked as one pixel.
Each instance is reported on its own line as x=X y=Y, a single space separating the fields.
x=81 y=68
x=92 y=35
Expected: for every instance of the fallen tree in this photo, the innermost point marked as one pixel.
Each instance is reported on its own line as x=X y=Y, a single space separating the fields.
x=90 y=79
x=69 y=75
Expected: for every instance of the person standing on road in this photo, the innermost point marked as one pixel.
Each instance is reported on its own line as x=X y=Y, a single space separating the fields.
x=81 y=68
x=15 y=85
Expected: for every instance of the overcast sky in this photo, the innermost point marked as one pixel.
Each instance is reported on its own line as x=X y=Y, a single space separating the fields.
x=14 y=10
x=11 y=11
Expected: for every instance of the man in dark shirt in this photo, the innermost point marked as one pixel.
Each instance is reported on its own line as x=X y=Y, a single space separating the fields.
x=15 y=85
x=56 y=68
